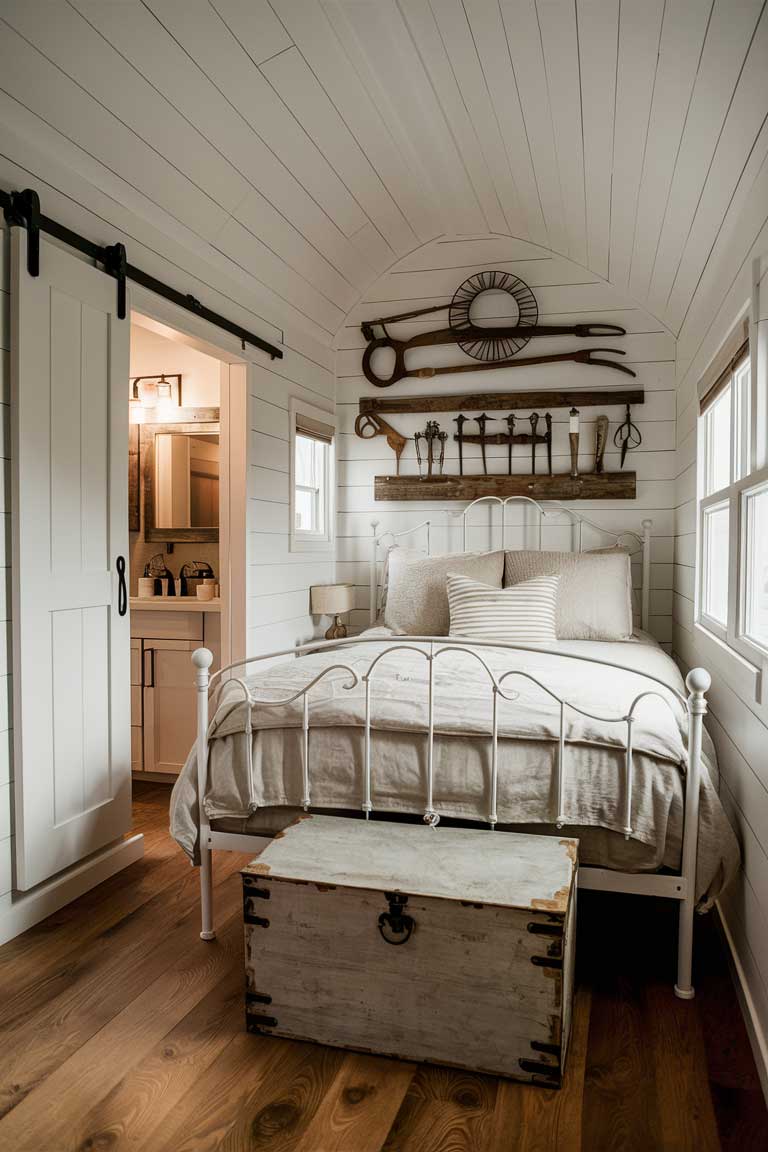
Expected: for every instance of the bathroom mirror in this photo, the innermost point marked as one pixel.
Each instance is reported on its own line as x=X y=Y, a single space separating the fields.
x=181 y=481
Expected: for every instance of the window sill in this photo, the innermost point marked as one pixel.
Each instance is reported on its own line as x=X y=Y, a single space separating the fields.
x=745 y=678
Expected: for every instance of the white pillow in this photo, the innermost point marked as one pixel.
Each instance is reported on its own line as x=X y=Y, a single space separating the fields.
x=594 y=599
x=416 y=597
x=523 y=614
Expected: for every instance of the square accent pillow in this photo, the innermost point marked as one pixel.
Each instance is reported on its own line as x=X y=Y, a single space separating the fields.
x=416 y=595
x=594 y=600
x=522 y=614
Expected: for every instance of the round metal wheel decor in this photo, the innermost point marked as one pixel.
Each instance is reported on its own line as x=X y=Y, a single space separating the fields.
x=492 y=347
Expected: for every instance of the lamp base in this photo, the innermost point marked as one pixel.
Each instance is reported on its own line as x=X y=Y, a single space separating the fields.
x=337 y=630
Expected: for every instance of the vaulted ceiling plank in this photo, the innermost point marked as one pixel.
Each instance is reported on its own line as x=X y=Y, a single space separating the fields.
x=560 y=44
x=730 y=32
x=744 y=135
x=639 y=35
x=491 y=45
x=377 y=41
x=682 y=40
x=298 y=87
x=521 y=27
x=598 y=29
x=72 y=45
x=66 y=107
x=298 y=229
x=313 y=34
x=459 y=81
x=208 y=41
x=256 y=27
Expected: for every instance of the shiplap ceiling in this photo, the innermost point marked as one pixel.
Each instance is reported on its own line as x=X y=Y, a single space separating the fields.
x=303 y=146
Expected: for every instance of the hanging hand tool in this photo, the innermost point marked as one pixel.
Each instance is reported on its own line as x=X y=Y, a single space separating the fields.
x=431 y=436
x=534 y=418
x=627 y=436
x=481 y=423
x=573 y=436
x=475 y=333
x=368 y=425
x=460 y=421
x=511 y=427
x=585 y=356
x=548 y=421
x=601 y=435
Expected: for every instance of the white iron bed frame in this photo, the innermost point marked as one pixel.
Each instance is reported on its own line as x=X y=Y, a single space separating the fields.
x=679 y=886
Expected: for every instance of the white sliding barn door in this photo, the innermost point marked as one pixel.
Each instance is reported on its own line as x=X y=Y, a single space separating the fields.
x=71 y=648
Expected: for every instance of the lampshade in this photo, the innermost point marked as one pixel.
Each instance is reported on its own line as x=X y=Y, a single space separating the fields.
x=330 y=599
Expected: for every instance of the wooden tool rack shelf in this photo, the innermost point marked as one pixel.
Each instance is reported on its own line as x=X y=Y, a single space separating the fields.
x=589 y=486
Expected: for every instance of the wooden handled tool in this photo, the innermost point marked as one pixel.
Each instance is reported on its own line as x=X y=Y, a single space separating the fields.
x=601 y=436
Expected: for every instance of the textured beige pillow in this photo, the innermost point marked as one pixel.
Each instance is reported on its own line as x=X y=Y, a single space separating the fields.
x=417 y=597
x=594 y=599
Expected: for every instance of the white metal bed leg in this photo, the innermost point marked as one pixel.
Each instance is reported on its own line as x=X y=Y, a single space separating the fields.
x=202 y=659
x=697 y=683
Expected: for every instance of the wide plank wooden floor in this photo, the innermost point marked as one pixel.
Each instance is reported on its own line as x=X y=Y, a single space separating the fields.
x=121 y=1029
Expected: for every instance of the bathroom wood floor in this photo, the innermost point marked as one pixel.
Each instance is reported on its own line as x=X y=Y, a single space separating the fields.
x=120 y=1028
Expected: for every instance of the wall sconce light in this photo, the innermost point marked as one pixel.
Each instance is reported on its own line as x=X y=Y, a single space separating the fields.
x=162 y=391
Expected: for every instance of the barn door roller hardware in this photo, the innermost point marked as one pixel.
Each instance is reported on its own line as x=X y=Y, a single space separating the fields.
x=22 y=209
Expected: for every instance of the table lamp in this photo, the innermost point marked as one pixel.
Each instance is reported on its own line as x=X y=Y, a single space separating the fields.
x=332 y=600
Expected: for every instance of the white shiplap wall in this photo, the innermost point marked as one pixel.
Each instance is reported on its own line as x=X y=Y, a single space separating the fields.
x=566 y=293
x=738 y=718
x=278 y=579
x=6 y=766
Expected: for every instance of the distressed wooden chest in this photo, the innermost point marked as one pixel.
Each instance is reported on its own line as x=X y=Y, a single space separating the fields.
x=444 y=945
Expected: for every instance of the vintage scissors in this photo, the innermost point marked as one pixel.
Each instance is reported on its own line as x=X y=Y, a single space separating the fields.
x=464 y=335
x=627 y=436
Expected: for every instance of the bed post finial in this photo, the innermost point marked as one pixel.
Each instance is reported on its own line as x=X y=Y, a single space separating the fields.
x=697 y=682
x=202 y=658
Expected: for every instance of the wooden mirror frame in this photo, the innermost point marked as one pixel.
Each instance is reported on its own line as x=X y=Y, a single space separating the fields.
x=190 y=420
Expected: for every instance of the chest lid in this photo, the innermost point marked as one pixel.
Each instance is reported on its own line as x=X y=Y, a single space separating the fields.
x=506 y=869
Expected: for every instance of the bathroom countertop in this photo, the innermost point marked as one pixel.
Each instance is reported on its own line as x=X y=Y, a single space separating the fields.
x=175 y=604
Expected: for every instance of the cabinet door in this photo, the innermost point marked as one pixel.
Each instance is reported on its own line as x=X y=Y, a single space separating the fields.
x=170 y=716
x=137 y=735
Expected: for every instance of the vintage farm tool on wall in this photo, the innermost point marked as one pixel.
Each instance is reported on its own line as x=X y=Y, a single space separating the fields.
x=434 y=443
x=368 y=425
x=534 y=437
x=627 y=436
x=493 y=345
x=583 y=356
x=601 y=436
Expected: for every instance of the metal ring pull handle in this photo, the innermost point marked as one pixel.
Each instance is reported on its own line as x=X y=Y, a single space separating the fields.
x=122 y=588
x=395 y=926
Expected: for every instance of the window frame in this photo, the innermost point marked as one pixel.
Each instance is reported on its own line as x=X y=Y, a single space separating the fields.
x=303 y=540
x=745 y=480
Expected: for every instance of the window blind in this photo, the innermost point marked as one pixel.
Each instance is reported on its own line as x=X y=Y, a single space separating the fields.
x=720 y=370
x=317 y=429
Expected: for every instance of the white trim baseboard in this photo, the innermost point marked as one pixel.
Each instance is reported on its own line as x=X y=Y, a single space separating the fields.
x=22 y=910
x=757 y=1037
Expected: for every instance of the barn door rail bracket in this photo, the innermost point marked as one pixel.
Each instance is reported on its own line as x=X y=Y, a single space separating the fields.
x=22 y=210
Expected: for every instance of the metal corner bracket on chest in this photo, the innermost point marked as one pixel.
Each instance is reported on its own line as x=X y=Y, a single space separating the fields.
x=22 y=210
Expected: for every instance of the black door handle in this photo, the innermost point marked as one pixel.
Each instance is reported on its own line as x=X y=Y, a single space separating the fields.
x=122 y=589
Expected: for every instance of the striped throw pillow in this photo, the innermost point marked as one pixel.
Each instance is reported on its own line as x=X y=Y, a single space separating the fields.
x=522 y=614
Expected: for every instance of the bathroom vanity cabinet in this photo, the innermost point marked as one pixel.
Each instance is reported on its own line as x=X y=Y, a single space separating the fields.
x=164 y=633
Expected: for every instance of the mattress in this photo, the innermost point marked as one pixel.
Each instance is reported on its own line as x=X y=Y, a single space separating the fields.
x=256 y=749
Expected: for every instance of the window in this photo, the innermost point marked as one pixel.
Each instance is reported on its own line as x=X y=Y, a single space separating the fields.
x=311 y=478
x=732 y=593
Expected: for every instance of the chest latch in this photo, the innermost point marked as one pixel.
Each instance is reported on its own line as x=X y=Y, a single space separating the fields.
x=396 y=926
